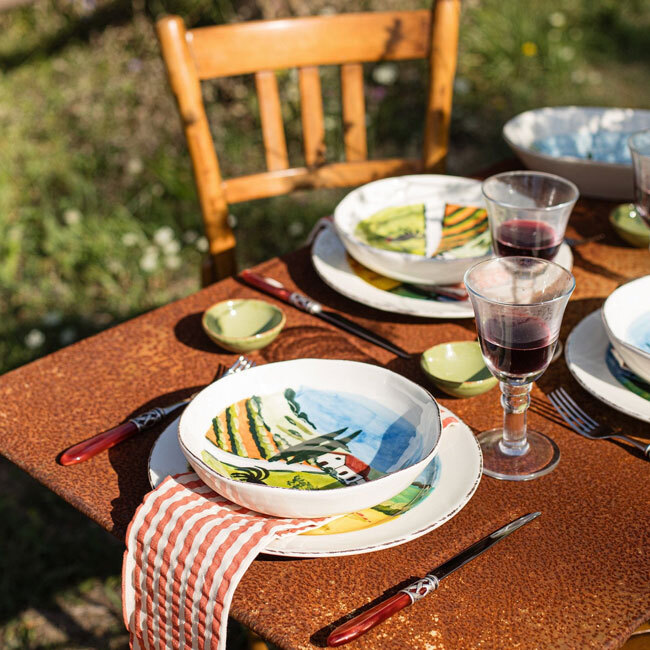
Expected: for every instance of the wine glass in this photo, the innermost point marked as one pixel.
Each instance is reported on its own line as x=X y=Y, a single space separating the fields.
x=639 y=144
x=518 y=304
x=528 y=212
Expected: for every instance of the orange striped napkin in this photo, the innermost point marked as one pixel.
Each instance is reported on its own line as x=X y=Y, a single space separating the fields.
x=187 y=549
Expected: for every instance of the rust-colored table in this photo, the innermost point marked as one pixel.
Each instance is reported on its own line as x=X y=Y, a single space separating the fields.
x=579 y=577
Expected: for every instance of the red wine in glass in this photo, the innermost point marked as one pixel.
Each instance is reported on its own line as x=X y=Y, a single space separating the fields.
x=528 y=238
x=520 y=346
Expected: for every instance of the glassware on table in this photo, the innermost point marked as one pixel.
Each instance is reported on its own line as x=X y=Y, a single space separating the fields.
x=518 y=304
x=639 y=144
x=528 y=212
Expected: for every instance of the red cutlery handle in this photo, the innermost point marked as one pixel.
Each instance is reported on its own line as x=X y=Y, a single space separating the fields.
x=105 y=440
x=274 y=288
x=359 y=625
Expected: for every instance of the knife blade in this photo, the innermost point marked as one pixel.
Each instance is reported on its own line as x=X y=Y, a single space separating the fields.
x=360 y=624
x=302 y=302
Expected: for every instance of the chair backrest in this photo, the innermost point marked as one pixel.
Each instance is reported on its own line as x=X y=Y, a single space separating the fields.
x=262 y=47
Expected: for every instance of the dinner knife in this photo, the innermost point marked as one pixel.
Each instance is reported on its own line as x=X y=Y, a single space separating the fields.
x=298 y=300
x=360 y=624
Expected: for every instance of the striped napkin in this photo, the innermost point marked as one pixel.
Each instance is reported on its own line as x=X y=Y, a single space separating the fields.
x=187 y=549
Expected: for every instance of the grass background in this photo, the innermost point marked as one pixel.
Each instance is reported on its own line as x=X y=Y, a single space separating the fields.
x=99 y=219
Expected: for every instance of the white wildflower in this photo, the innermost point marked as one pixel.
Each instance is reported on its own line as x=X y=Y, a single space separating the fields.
x=557 y=19
x=129 y=239
x=462 y=86
x=163 y=235
x=330 y=122
x=385 y=74
x=34 y=339
x=72 y=217
x=202 y=244
x=566 y=53
x=232 y=220
x=134 y=166
x=149 y=261
x=296 y=228
x=114 y=266
x=190 y=236
x=172 y=262
x=171 y=247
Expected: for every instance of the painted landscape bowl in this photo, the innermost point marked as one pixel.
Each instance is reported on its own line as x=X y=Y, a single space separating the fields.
x=310 y=437
x=626 y=317
x=587 y=145
x=424 y=229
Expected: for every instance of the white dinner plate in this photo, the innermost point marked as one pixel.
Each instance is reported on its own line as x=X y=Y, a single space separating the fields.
x=457 y=474
x=333 y=265
x=586 y=356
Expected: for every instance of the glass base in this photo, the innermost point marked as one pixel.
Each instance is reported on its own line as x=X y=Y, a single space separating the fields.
x=542 y=456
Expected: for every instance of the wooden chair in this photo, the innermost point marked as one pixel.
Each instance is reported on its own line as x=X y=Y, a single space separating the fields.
x=262 y=47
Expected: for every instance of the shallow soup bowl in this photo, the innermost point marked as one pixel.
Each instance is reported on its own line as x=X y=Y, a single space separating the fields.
x=626 y=317
x=310 y=437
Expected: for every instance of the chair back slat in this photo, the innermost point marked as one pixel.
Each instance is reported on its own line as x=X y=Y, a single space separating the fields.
x=275 y=144
x=311 y=109
x=342 y=174
x=311 y=41
x=442 y=63
x=354 y=112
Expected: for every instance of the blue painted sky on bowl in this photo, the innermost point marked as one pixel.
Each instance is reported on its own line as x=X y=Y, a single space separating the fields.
x=387 y=441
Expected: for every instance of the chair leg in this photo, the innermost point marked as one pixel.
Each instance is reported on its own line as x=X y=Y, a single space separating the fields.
x=217 y=267
x=255 y=642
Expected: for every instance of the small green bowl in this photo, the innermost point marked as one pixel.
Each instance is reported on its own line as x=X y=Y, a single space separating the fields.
x=243 y=325
x=458 y=368
x=629 y=225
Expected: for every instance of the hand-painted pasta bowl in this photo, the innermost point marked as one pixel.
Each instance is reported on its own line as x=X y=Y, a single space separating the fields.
x=585 y=144
x=626 y=317
x=425 y=229
x=310 y=437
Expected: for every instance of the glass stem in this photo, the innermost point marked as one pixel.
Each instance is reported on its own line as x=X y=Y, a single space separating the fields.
x=515 y=401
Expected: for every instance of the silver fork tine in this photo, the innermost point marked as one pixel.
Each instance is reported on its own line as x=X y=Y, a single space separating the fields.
x=588 y=419
x=569 y=417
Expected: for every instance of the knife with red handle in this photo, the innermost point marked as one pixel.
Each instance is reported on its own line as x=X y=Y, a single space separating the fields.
x=298 y=300
x=360 y=624
x=88 y=448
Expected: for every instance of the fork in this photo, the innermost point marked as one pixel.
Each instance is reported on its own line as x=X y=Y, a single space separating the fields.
x=585 y=425
x=574 y=242
x=106 y=439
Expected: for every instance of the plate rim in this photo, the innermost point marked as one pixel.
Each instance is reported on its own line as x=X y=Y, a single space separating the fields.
x=594 y=321
x=416 y=531
x=403 y=304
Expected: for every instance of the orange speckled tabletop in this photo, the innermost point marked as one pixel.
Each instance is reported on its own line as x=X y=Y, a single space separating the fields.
x=578 y=577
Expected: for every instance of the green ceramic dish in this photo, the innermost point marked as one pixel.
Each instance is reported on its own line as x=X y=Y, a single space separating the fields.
x=243 y=325
x=458 y=368
x=627 y=223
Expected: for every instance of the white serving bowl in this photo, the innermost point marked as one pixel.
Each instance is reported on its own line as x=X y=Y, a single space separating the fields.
x=433 y=190
x=399 y=420
x=610 y=177
x=626 y=316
